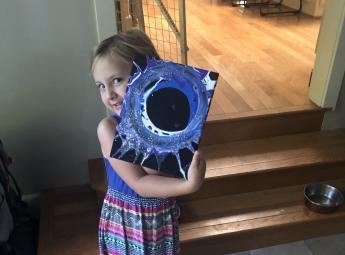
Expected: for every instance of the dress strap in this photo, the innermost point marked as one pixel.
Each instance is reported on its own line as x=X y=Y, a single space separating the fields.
x=116 y=117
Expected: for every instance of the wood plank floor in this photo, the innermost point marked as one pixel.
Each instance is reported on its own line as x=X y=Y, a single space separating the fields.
x=264 y=62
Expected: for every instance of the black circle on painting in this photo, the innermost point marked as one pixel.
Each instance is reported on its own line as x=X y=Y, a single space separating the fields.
x=168 y=109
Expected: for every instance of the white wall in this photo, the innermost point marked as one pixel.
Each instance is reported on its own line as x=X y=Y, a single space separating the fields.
x=49 y=107
x=105 y=18
x=336 y=119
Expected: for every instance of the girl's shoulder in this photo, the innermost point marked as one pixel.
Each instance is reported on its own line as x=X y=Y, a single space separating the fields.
x=107 y=125
x=106 y=132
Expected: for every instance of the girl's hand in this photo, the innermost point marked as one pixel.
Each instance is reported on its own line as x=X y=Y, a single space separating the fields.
x=196 y=172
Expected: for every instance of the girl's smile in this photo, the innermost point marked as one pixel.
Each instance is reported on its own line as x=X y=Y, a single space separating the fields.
x=118 y=106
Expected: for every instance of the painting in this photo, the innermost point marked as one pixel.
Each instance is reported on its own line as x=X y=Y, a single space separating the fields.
x=163 y=115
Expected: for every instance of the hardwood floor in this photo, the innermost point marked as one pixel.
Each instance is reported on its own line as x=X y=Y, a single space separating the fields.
x=264 y=62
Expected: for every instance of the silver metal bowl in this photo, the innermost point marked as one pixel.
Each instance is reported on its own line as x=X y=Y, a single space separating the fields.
x=322 y=198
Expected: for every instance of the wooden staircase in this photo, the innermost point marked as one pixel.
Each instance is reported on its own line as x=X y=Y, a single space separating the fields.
x=253 y=193
x=257 y=166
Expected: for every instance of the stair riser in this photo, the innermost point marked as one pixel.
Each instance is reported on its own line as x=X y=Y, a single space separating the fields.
x=263 y=126
x=268 y=180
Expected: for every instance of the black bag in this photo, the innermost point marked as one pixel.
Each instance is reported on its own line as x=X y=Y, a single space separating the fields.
x=19 y=230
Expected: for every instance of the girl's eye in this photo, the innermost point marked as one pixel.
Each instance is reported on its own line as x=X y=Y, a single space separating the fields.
x=117 y=81
x=100 y=86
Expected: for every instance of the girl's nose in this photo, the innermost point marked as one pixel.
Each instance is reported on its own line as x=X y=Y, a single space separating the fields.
x=112 y=94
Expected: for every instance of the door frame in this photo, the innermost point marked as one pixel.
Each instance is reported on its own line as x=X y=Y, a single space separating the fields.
x=104 y=13
x=329 y=67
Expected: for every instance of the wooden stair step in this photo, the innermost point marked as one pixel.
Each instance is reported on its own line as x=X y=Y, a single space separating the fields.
x=252 y=220
x=69 y=220
x=266 y=123
x=266 y=163
x=245 y=202
x=275 y=152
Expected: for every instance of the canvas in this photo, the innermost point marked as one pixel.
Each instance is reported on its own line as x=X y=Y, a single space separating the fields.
x=163 y=115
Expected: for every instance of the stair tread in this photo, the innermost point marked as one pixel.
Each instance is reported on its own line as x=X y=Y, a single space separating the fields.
x=267 y=154
x=292 y=215
x=249 y=212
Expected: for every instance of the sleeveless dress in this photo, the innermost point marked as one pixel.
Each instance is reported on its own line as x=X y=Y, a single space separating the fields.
x=132 y=224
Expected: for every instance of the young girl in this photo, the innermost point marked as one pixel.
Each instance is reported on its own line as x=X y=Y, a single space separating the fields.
x=139 y=214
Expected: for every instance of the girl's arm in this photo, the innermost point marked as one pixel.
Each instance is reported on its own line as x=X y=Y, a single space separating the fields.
x=150 y=185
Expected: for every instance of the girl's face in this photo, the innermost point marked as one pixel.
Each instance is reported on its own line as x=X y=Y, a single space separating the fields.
x=111 y=78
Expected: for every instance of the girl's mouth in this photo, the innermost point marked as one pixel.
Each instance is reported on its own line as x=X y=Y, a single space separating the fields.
x=118 y=105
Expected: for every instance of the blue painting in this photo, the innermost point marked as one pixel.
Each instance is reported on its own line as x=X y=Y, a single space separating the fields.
x=163 y=115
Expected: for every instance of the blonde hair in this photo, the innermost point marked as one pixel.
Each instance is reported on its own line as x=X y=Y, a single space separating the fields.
x=126 y=45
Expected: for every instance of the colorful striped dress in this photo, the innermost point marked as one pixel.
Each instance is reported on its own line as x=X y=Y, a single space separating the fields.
x=131 y=224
